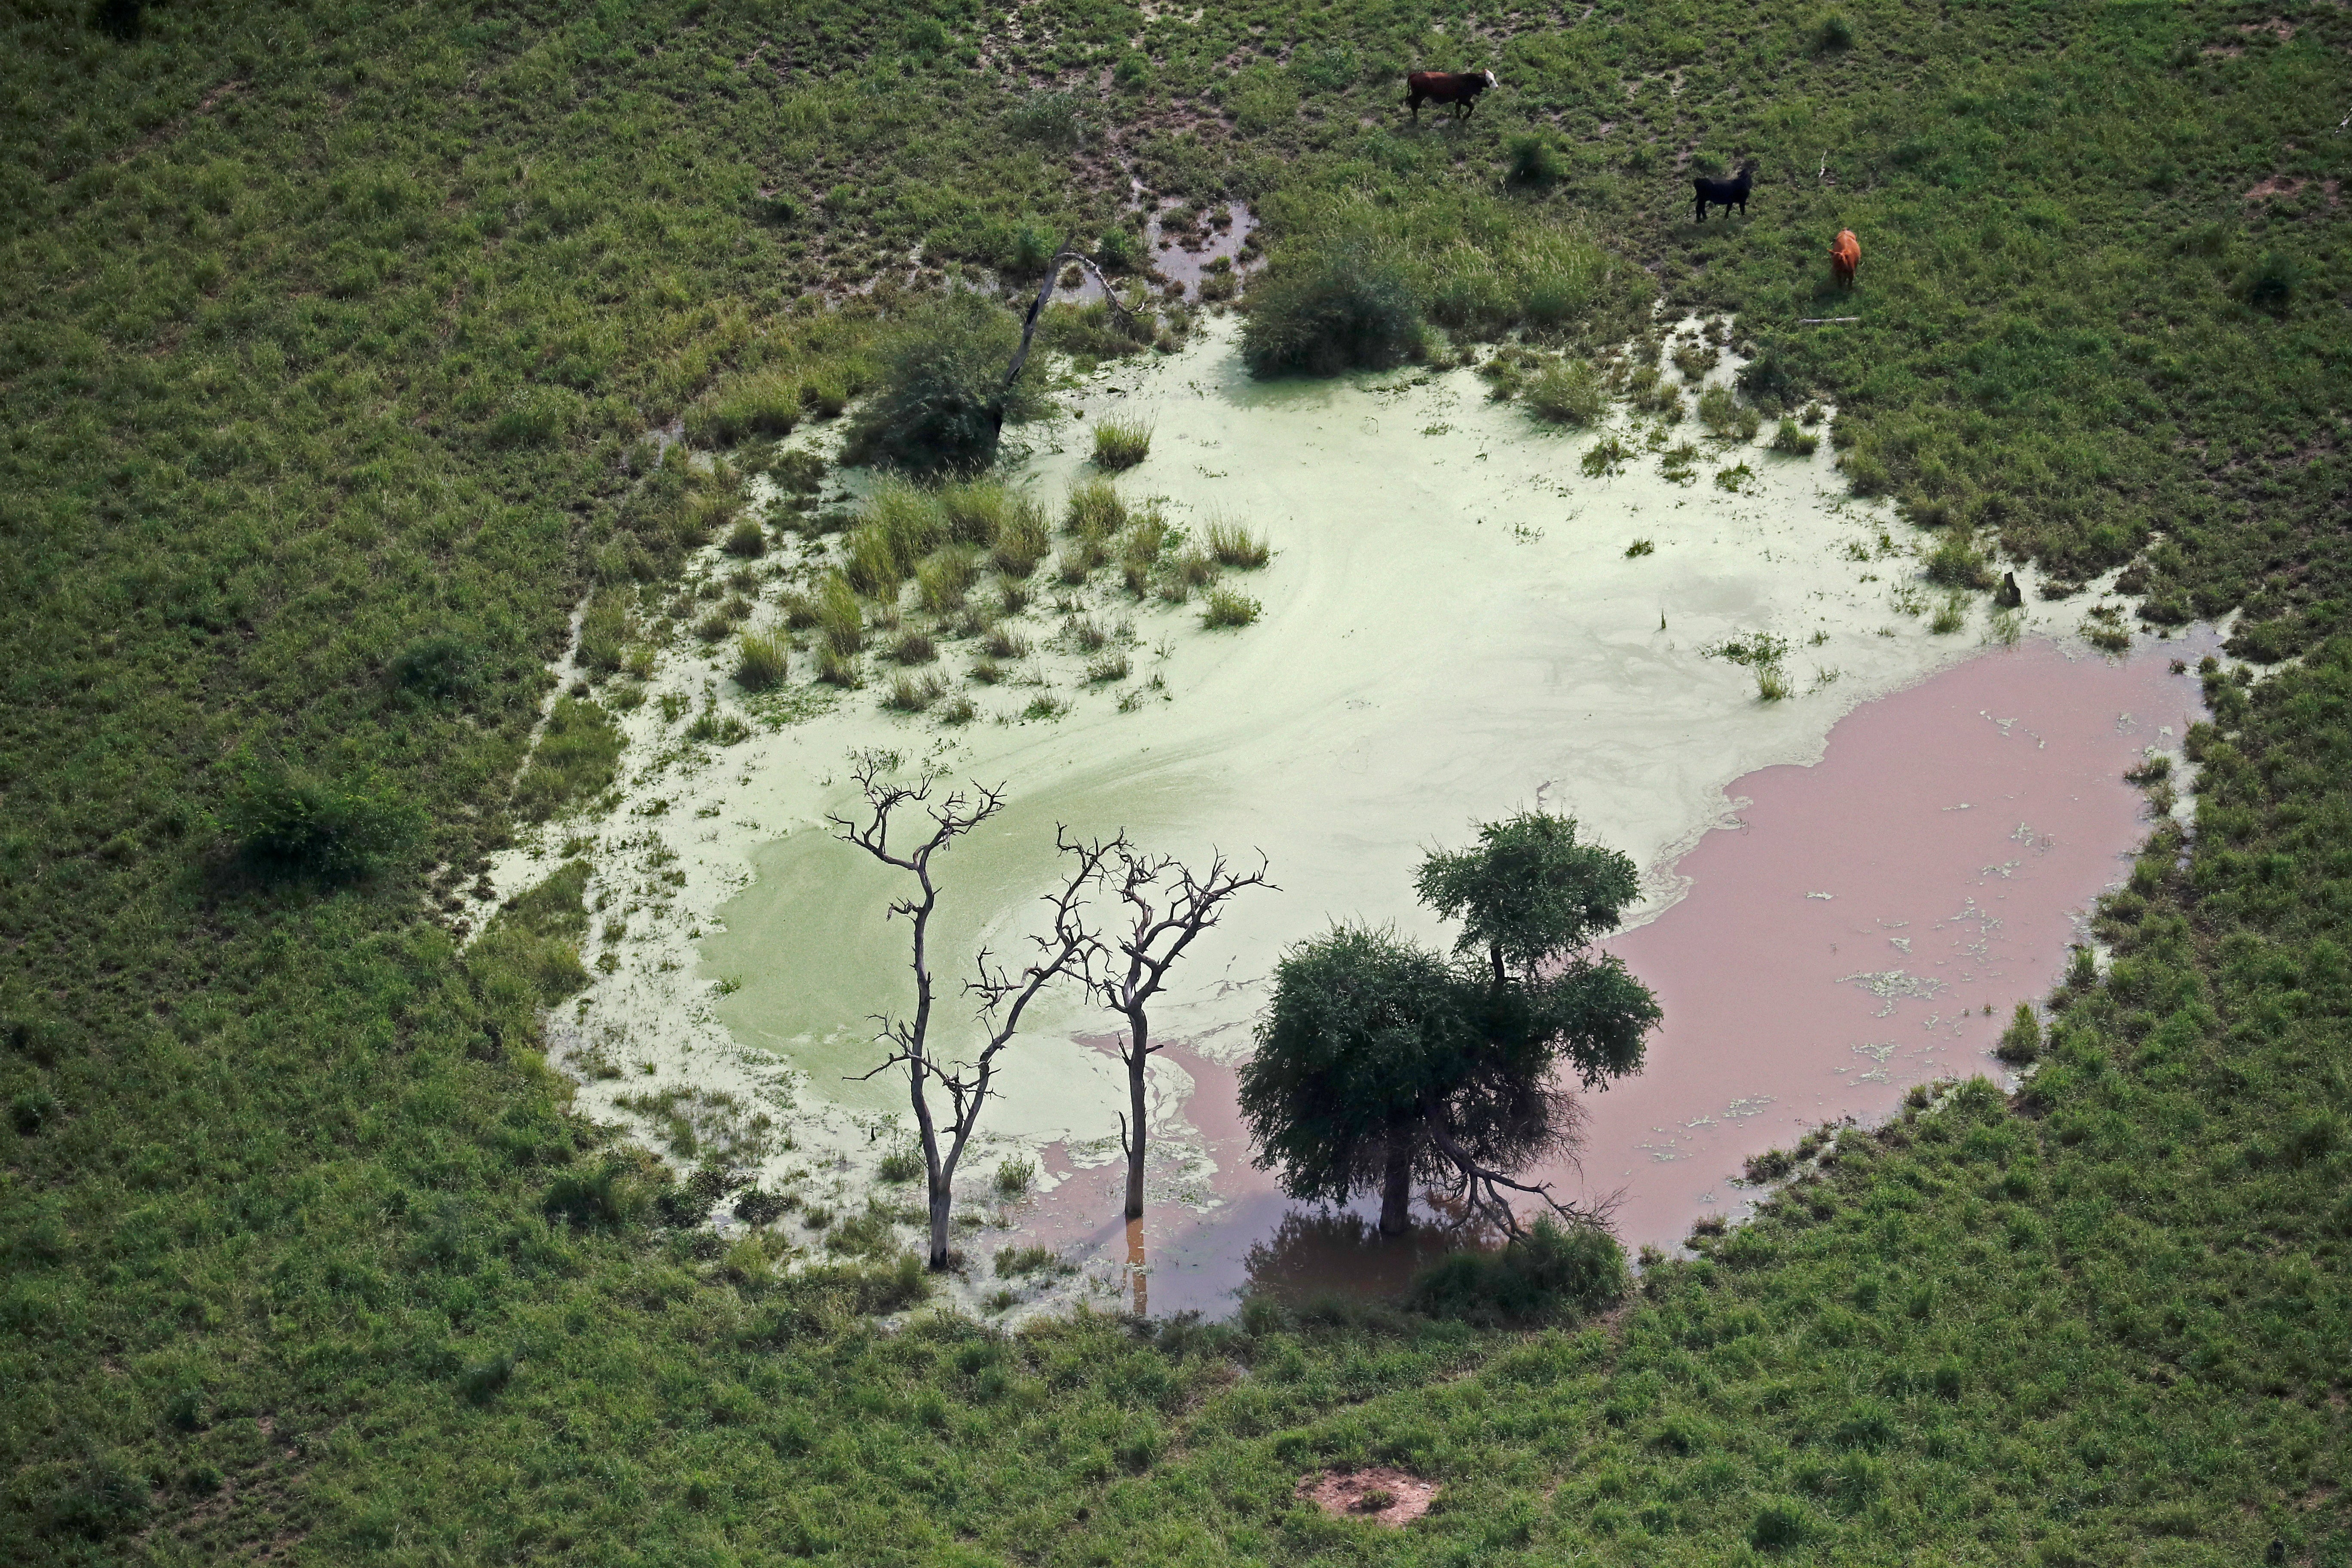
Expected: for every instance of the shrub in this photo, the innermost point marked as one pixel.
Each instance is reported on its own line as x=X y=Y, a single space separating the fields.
x=748 y=540
x=942 y=389
x=1530 y=159
x=1228 y=608
x=1553 y=1271
x=1232 y=544
x=761 y=663
x=289 y=823
x=901 y=1165
x=1793 y=441
x=1015 y=1174
x=1120 y=444
x=1832 y=34
x=2021 y=1043
x=1349 y=307
x=1567 y=392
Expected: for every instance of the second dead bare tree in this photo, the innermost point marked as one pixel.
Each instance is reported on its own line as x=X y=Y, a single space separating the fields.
x=1066 y=950
x=1168 y=906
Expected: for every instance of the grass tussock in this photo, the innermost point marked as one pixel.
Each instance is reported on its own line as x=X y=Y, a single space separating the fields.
x=1234 y=544
x=762 y=661
x=1121 y=444
x=1094 y=511
x=1566 y=392
x=1228 y=607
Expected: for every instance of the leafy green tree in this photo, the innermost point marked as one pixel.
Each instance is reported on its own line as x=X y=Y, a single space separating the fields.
x=1380 y=1064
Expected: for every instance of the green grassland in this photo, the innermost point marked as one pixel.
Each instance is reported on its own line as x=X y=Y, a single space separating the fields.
x=332 y=334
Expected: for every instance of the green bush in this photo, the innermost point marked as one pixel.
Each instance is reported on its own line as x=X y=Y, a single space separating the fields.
x=290 y=823
x=1791 y=439
x=746 y=540
x=1832 y=34
x=943 y=387
x=1956 y=564
x=1347 y=307
x=2021 y=1043
x=1554 y=1271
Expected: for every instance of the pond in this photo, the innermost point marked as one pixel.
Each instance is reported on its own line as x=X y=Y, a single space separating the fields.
x=1460 y=621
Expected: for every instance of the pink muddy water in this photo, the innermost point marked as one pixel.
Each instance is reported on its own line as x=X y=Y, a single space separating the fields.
x=1843 y=938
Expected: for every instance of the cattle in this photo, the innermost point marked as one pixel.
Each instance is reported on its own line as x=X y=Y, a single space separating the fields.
x=1846 y=255
x=1725 y=194
x=1460 y=89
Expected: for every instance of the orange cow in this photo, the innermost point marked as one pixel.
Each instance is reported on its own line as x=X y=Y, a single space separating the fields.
x=1846 y=255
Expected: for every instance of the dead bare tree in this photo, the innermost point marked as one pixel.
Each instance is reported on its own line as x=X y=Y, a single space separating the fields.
x=1169 y=908
x=1037 y=309
x=1066 y=948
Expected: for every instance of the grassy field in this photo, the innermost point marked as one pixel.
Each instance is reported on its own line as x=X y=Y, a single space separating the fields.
x=333 y=334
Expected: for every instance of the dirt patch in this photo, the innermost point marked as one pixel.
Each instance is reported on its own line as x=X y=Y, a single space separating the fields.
x=1384 y=1496
x=2290 y=185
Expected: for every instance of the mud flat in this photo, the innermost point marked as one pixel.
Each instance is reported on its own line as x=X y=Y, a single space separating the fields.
x=1452 y=629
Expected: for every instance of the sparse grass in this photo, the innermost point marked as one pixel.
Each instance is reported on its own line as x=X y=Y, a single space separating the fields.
x=913 y=645
x=1605 y=457
x=1228 y=607
x=1120 y=444
x=1107 y=668
x=1951 y=616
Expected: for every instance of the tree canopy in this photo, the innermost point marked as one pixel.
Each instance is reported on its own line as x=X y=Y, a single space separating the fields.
x=1381 y=1064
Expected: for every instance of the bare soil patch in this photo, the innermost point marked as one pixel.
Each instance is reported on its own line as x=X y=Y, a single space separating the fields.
x=1384 y=1496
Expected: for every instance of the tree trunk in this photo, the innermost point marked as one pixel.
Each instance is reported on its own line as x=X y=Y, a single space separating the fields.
x=942 y=1196
x=1136 y=1061
x=1396 y=1191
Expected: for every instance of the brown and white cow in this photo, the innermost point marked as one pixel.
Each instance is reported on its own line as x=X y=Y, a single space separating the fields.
x=1460 y=89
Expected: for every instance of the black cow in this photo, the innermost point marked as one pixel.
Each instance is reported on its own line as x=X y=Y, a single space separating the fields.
x=1460 y=89
x=1725 y=194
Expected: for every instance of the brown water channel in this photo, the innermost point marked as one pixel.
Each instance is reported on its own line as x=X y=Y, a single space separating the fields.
x=1855 y=927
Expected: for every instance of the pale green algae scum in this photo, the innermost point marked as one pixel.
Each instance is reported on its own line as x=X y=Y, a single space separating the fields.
x=1452 y=630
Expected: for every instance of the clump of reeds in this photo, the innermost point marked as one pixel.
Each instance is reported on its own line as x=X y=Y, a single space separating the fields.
x=762 y=661
x=1232 y=544
x=1120 y=444
x=1227 y=607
